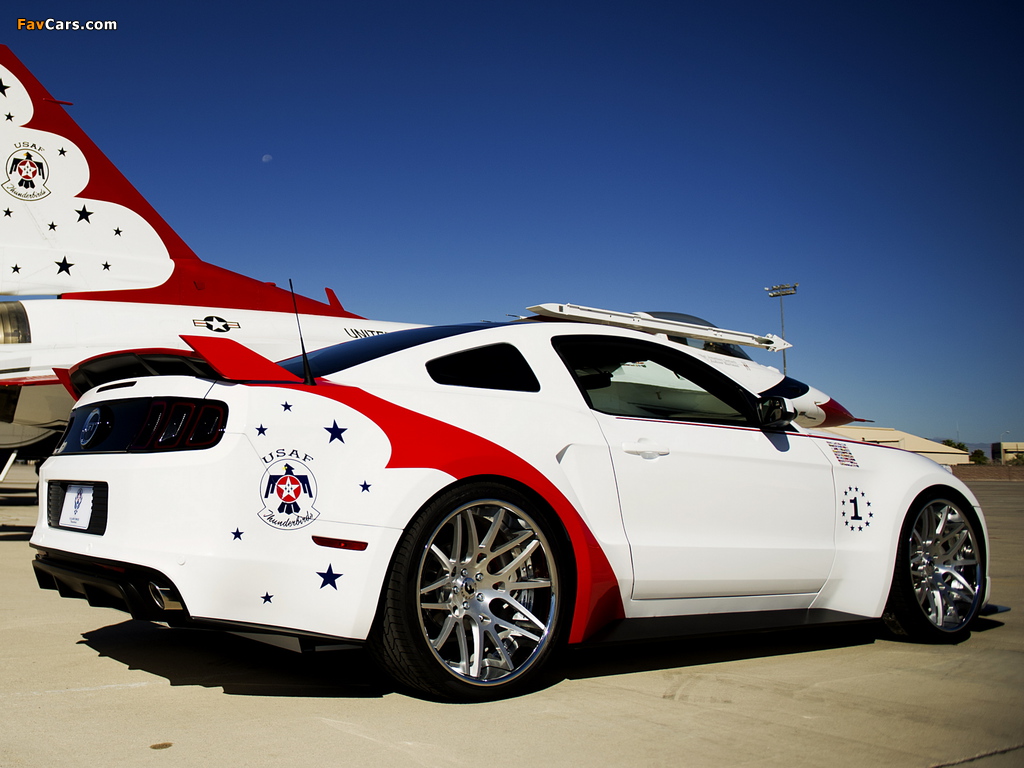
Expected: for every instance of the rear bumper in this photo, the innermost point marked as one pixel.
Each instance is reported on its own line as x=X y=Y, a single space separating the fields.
x=144 y=593
x=148 y=595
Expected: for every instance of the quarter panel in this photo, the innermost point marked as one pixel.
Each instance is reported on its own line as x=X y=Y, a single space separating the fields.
x=884 y=482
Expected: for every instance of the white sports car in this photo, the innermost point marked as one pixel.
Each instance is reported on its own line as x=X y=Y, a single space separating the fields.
x=467 y=499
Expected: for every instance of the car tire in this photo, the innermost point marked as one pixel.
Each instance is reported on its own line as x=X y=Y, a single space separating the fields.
x=939 y=578
x=477 y=597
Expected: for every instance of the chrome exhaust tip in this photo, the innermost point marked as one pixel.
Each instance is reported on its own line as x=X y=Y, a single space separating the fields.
x=164 y=597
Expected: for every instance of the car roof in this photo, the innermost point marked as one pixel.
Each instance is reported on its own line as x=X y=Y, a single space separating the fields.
x=348 y=354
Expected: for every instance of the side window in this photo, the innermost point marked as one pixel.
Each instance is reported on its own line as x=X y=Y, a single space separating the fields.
x=623 y=377
x=499 y=366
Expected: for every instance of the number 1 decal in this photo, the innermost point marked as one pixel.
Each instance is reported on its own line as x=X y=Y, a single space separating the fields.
x=856 y=509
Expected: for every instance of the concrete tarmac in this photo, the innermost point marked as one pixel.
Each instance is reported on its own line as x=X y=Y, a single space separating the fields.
x=83 y=686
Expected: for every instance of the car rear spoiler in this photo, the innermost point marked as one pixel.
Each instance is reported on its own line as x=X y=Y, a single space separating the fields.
x=209 y=358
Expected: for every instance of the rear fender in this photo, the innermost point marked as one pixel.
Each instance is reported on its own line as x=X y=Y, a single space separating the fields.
x=465 y=456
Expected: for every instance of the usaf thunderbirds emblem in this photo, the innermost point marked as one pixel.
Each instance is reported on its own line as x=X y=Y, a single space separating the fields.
x=27 y=174
x=289 y=490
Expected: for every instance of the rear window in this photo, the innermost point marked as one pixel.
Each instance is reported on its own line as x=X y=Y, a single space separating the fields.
x=498 y=366
x=328 y=360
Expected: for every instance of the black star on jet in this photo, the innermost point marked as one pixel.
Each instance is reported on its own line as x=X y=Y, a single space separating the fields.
x=84 y=214
x=329 y=577
x=62 y=152
x=15 y=269
x=63 y=265
x=336 y=431
x=261 y=430
x=267 y=597
x=106 y=266
x=10 y=117
x=365 y=486
x=237 y=534
x=8 y=212
x=286 y=406
x=3 y=89
x=52 y=227
x=117 y=232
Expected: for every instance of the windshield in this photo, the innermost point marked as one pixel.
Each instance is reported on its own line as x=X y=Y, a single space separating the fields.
x=323 y=362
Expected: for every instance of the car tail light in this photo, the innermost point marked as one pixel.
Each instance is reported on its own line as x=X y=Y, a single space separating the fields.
x=144 y=425
x=209 y=425
x=177 y=425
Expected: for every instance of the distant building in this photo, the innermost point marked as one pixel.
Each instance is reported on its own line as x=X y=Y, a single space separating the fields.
x=943 y=454
x=1003 y=452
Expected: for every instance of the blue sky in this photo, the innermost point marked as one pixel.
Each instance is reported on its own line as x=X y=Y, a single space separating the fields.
x=446 y=160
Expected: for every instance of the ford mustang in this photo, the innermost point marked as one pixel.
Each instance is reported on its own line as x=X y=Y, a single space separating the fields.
x=465 y=500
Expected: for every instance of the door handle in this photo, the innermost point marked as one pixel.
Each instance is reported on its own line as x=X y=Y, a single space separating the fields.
x=646 y=449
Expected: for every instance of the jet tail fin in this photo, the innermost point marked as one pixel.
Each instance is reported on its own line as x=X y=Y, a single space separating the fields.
x=72 y=225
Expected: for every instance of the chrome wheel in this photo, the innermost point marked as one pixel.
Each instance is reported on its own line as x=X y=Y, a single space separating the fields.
x=939 y=581
x=477 y=599
x=487 y=592
x=944 y=565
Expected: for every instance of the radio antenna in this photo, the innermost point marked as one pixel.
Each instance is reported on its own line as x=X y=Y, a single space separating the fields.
x=306 y=370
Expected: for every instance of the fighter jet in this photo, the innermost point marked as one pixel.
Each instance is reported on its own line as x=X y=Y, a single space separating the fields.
x=73 y=227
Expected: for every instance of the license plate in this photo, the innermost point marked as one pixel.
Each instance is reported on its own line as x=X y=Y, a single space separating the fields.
x=77 y=509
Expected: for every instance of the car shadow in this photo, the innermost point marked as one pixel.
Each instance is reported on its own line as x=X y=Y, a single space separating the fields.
x=586 y=661
x=241 y=667
x=244 y=667
x=15 y=532
x=622 y=658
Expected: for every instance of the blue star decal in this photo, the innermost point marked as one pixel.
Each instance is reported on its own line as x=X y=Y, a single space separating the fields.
x=261 y=430
x=267 y=597
x=286 y=406
x=237 y=534
x=336 y=431
x=365 y=486
x=329 y=577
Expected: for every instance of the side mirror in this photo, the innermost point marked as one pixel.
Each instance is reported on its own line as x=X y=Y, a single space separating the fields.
x=775 y=412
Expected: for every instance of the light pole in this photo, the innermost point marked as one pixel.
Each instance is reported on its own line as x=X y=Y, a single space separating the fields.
x=780 y=291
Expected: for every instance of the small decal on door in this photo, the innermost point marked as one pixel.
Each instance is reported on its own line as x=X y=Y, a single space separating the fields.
x=843 y=454
x=856 y=510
